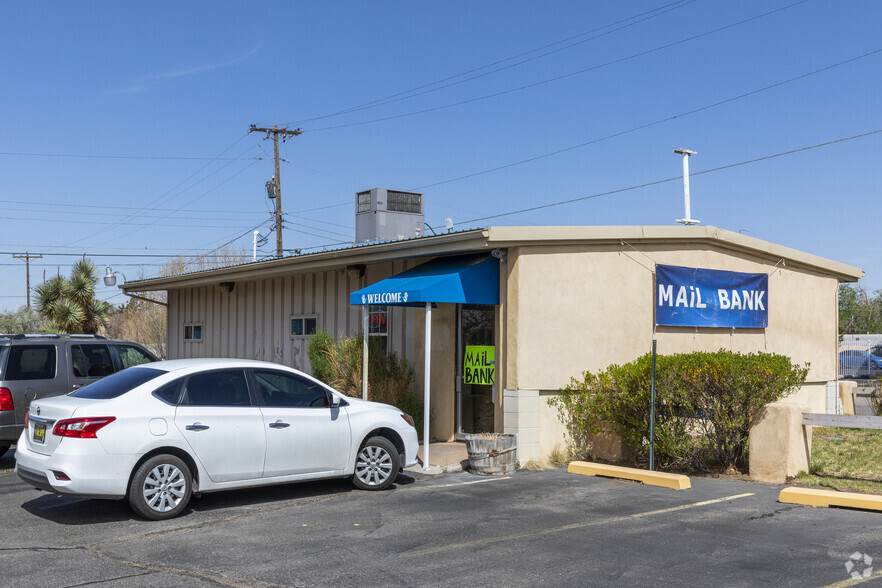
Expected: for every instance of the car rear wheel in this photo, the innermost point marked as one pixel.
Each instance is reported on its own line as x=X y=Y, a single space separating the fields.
x=161 y=488
x=376 y=464
x=4 y=449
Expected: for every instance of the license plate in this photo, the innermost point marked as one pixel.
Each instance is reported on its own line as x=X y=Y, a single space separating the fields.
x=39 y=433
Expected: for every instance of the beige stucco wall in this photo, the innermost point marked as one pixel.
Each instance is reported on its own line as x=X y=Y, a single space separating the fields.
x=443 y=367
x=576 y=308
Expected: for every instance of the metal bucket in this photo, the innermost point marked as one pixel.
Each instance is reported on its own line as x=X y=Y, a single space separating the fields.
x=492 y=453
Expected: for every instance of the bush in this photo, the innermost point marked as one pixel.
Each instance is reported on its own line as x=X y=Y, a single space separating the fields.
x=876 y=398
x=706 y=404
x=338 y=363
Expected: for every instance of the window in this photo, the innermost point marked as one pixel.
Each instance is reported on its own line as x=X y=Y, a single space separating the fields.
x=130 y=355
x=303 y=326
x=193 y=332
x=378 y=327
x=117 y=384
x=31 y=362
x=281 y=390
x=170 y=393
x=91 y=361
x=222 y=388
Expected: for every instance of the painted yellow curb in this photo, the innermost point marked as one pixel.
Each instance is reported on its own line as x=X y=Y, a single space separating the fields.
x=675 y=481
x=814 y=497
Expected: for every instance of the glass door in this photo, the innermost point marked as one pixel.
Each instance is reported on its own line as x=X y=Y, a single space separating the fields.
x=476 y=368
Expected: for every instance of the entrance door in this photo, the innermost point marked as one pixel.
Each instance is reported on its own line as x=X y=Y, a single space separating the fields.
x=476 y=368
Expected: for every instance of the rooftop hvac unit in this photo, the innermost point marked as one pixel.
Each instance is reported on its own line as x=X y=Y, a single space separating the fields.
x=383 y=215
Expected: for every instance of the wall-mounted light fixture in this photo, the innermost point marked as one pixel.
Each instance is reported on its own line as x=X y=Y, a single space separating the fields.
x=355 y=271
x=110 y=280
x=227 y=286
x=110 y=277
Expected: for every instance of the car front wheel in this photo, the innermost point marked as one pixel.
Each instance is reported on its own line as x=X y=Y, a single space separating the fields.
x=376 y=464
x=161 y=488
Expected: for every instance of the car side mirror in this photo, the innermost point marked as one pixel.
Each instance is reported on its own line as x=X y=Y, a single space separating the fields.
x=335 y=400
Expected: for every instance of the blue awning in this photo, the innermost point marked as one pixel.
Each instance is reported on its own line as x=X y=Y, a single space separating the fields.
x=463 y=279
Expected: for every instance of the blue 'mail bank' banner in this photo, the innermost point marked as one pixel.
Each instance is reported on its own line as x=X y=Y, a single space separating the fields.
x=692 y=297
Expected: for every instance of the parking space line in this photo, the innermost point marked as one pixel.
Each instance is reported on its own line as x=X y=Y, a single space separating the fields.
x=467 y=483
x=580 y=525
x=853 y=581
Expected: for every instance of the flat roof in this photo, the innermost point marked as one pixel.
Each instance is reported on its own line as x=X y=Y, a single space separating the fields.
x=498 y=237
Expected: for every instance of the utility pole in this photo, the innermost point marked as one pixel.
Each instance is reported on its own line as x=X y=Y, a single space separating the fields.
x=27 y=257
x=275 y=132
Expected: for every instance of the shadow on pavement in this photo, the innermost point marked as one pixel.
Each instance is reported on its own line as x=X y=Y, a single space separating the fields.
x=71 y=510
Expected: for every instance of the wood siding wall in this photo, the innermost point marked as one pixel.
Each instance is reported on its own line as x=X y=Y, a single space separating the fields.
x=254 y=320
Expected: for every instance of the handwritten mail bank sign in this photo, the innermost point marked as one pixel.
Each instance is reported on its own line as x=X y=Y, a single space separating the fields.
x=692 y=297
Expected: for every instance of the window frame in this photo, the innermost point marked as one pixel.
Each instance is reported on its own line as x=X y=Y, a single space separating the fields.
x=192 y=326
x=303 y=318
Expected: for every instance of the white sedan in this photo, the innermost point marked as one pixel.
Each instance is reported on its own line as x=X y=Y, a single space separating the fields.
x=158 y=433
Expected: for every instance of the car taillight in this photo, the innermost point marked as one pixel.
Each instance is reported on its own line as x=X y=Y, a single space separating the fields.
x=27 y=418
x=84 y=428
x=6 y=399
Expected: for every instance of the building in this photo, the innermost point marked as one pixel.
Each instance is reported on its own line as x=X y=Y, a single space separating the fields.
x=566 y=300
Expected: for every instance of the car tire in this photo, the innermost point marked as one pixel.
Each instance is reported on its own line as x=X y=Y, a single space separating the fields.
x=376 y=464
x=160 y=488
x=4 y=449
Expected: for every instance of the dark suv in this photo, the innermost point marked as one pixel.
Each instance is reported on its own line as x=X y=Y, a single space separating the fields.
x=39 y=366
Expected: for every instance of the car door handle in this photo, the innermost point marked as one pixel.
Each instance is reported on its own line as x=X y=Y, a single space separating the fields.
x=279 y=425
x=197 y=427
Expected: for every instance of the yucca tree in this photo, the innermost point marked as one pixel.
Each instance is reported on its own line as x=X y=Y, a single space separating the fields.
x=69 y=304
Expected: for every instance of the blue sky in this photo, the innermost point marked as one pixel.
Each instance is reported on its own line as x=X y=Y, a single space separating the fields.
x=124 y=126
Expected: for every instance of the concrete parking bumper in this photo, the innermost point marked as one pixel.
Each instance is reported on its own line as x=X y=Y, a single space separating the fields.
x=666 y=480
x=815 y=497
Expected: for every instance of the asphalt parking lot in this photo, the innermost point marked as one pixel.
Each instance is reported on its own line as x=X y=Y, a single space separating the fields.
x=531 y=528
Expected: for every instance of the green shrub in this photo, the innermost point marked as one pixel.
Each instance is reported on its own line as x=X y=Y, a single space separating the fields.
x=705 y=405
x=338 y=363
x=876 y=398
x=318 y=352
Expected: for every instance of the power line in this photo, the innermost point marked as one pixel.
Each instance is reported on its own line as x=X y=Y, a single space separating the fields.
x=564 y=76
x=414 y=92
x=172 y=189
x=647 y=125
x=676 y=178
x=159 y=157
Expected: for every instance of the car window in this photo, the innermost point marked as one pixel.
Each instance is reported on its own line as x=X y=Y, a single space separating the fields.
x=170 y=393
x=117 y=384
x=31 y=362
x=91 y=361
x=221 y=388
x=280 y=389
x=4 y=351
x=130 y=356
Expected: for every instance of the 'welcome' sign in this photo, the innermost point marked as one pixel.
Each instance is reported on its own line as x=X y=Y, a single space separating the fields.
x=692 y=297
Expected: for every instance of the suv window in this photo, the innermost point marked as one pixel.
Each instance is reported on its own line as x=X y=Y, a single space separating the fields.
x=279 y=389
x=91 y=361
x=117 y=384
x=221 y=388
x=130 y=355
x=31 y=362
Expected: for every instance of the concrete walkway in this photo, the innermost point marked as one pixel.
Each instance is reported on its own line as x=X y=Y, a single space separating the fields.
x=443 y=457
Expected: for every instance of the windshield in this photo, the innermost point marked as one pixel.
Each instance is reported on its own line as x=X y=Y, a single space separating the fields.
x=117 y=384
